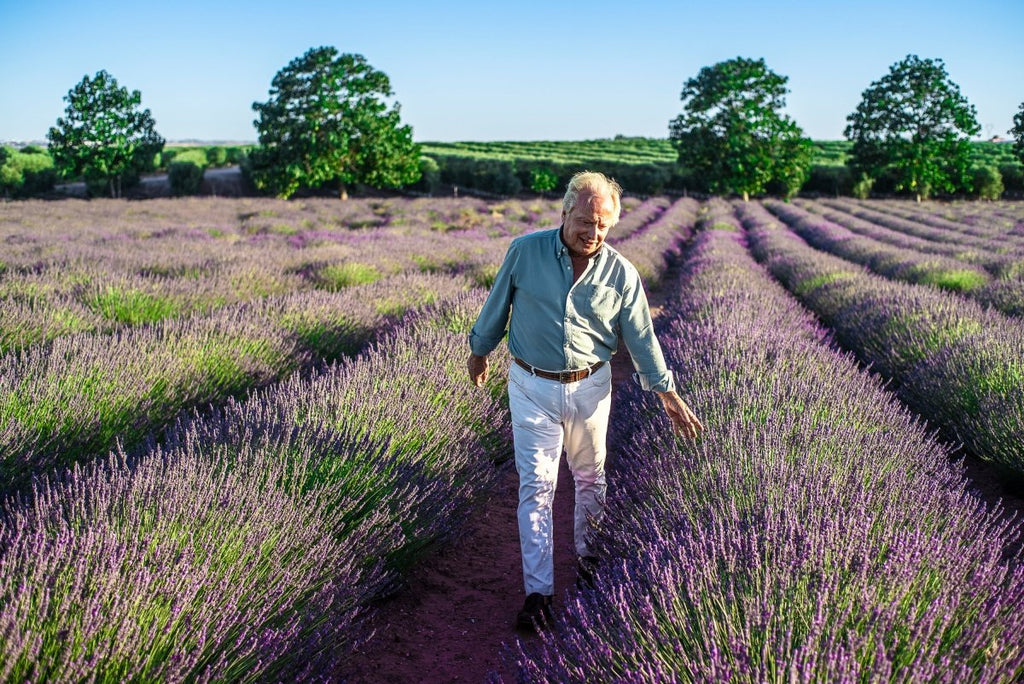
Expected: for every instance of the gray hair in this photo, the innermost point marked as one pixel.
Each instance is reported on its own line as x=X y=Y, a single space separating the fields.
x=596 y=182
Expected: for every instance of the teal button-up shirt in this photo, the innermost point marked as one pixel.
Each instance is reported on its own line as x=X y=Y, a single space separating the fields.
x=555 y=324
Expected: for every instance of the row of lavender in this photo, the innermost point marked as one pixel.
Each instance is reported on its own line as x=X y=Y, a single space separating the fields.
x=816 y=532
x=991 y=274
x=1002 y=221
x=249 y=544
x=959 y=365
x=658 y=242
x=909 y=263
x=989 y=247
x=68 y=401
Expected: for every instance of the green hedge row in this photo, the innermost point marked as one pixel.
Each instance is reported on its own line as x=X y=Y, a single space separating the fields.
x=26 y=172
x=504 y=176
x=648 y=166
x=511 y=176
x=644 y=166
x=988 y=181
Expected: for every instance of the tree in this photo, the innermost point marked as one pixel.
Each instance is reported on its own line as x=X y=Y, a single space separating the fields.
x=543 y=180
x=914 y=125
x=732 y=132
x=326 y=122
x=1018 y=132
x=104 y=136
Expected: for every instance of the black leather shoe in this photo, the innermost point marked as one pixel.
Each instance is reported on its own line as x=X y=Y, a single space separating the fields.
x=585 y=567
x=536 y=612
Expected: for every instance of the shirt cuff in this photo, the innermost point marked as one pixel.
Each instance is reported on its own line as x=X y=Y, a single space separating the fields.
x=656 y=382
x=480 y=346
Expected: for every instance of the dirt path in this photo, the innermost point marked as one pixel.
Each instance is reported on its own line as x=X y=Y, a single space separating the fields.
x=450 y=624
x=458 y=612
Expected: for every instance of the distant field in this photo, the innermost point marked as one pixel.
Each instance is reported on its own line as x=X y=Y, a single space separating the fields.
x=639 y=150
x=649 y=165
x=636 y=150
x=645 y=166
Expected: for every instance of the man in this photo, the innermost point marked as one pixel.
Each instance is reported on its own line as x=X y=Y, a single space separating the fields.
x=565 y=298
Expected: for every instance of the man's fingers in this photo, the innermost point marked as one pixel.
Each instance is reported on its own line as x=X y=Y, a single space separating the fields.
x=478 y=370
x=686 y=424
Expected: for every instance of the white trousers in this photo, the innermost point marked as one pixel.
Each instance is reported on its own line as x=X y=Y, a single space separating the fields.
x=548 y=416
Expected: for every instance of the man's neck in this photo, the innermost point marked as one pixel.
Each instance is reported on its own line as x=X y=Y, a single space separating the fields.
x=579 y=261
x=574 y=254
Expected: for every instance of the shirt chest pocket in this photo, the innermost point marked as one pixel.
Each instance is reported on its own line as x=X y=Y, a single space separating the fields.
x=601 y=302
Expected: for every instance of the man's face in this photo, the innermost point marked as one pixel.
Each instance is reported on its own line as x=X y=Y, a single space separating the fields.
x=585 y=227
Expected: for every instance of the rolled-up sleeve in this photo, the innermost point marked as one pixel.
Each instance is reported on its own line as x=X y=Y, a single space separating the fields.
x=637 y=331
x=492 y=323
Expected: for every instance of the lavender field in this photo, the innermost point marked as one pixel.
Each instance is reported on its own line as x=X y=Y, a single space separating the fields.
x=229 y=426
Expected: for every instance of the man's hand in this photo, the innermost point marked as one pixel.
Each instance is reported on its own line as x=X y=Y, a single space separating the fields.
x=684 y=421
x=478 y=368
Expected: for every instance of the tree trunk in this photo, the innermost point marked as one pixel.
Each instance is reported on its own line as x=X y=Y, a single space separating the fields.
x=342 y=191
x=746 y=196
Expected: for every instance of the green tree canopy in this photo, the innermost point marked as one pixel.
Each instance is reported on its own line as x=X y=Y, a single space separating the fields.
x=914 y=125
x=104 y=135
x=327 y=122
x=1018 y=132
x=732 y=132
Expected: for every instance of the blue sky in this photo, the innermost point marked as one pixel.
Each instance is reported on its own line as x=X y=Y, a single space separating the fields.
x=498 y=71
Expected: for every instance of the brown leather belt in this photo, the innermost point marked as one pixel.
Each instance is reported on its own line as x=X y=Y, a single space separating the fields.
x=563 y=377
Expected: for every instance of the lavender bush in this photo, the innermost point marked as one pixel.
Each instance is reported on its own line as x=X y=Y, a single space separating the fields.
x=69 y=401
x=99 y=266
x=930 y=225
x=653 y=246
x=198 y=562
x=1006 y=296
x=977 y=251
x=636 y=218
x=957 y=364
x=251 y=544
x=994 y=223
x=1005 y=292
x=899 y=263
